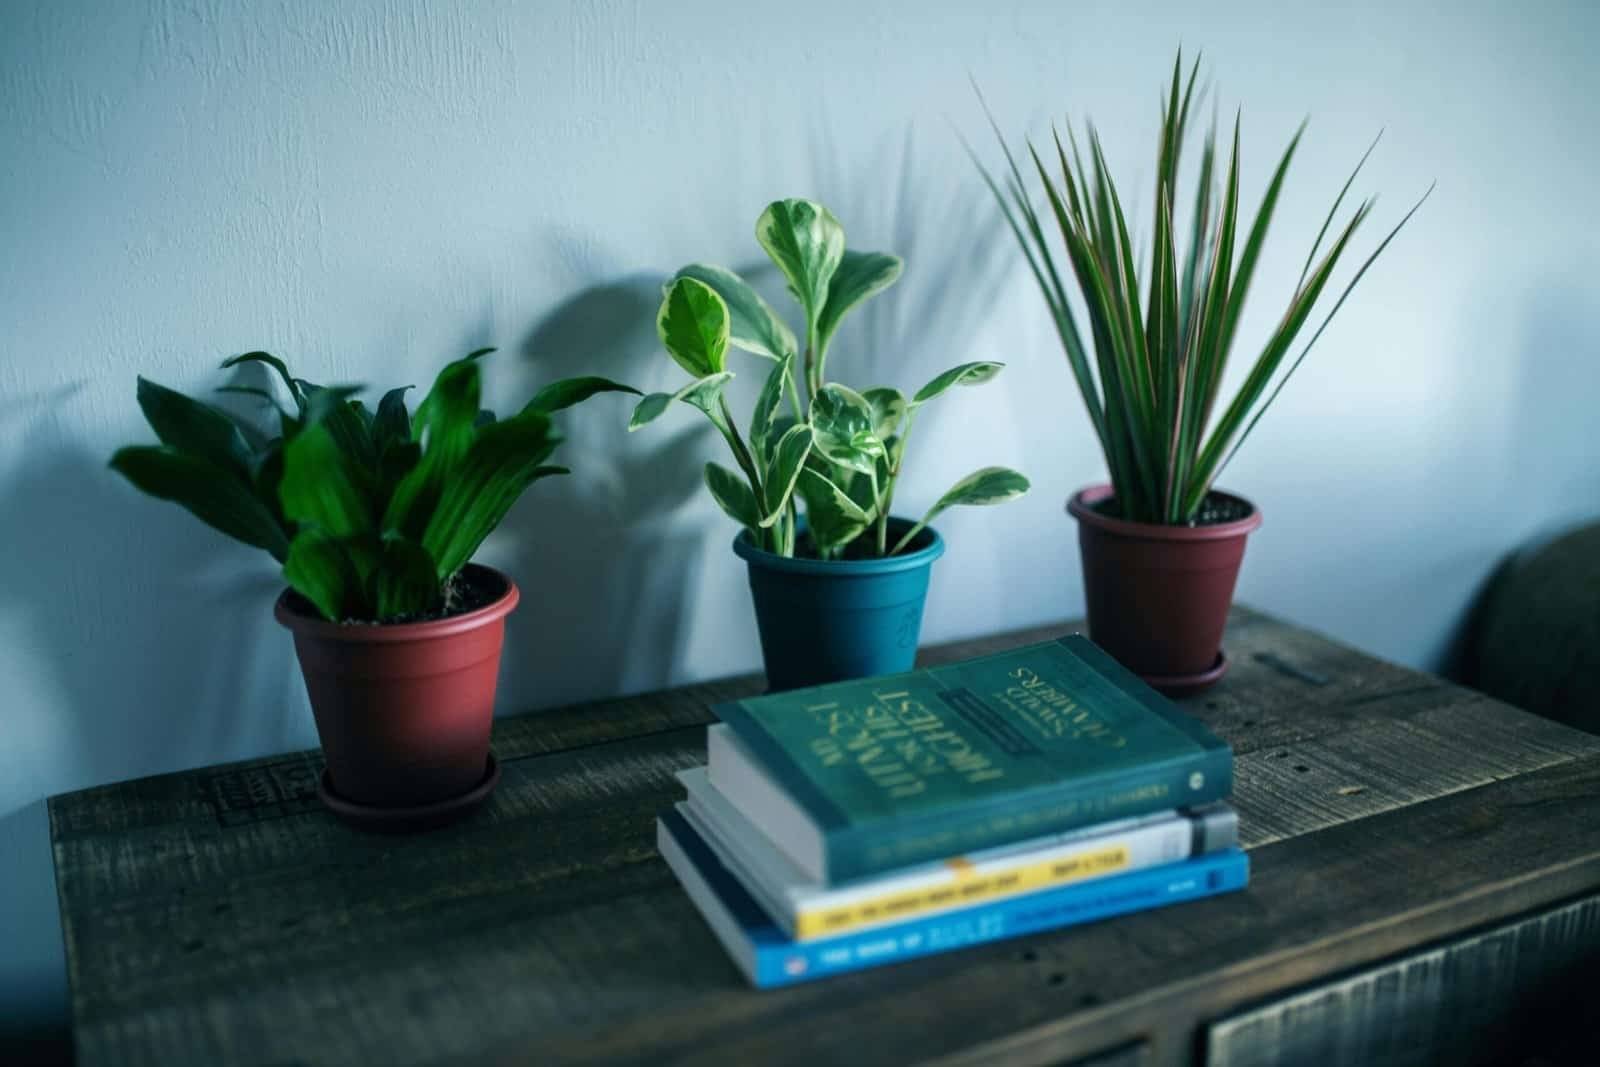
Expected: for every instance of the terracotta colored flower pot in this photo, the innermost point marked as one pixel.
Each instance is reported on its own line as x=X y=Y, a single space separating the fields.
x=404 y=710
x=1158 y=596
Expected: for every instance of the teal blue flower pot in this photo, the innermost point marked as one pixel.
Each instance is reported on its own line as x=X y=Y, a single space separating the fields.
x=828 y=620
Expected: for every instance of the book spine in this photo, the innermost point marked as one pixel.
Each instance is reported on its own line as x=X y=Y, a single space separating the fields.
x=861 y=851
x=1220 y=872
x=963 y=884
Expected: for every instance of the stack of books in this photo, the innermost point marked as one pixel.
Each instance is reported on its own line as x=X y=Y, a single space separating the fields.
x=873 y=821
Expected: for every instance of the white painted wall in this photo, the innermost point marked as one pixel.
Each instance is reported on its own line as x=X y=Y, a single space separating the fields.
x=370 y=188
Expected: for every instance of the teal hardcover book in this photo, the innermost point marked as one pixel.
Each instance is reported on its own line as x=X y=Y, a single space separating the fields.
x=857 y=778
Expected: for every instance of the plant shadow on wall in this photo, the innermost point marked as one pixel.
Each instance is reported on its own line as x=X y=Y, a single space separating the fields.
x=155 y=640
x=949 y=233
x=608 y=578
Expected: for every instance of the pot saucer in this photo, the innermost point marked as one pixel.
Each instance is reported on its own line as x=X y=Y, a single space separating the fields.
x=408 y=819
x=1186 y=685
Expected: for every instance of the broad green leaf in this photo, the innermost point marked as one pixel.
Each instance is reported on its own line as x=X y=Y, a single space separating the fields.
x=781 y=473
x=569 y=391
x=733 y=495
x=888 y=408
x=693 y=326
x=266 y=474
x=269 y=360
x=215 y=496
x=319 y=569
x=483 y=418
x=316 y=404
x=752 y=324
x=396 y=462
x=503 y=460
x=806 y=242
x=859 y=275
x=444 y=420
x=321 y=488
x=348 y=421
x=966 y=374
x=834 y=520
x=195 y=428
x=405 y=581
x=843 y=420
x=990 y=485
x=393 y=424
x=704 y=393
x=445 y=424
x=768 y=406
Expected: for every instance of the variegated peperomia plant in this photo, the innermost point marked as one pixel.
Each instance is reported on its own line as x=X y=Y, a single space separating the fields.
x=371 y=514
x=811 y=441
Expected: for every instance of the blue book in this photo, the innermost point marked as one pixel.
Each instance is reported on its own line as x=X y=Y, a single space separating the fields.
x=769 y=957
x=861 y=777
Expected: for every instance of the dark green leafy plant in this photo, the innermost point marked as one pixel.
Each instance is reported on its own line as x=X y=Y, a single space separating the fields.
x=838 y=451
x=372 y=513
x=1160 y=341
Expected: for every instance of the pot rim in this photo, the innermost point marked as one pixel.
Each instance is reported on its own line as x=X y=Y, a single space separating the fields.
x=843 y=568
x=303 y=625
x=1081 y=507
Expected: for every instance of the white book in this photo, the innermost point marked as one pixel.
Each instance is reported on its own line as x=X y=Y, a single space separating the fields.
x=808 y=909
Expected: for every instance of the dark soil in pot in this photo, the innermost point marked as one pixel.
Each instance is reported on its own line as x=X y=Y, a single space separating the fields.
x=1216 y=509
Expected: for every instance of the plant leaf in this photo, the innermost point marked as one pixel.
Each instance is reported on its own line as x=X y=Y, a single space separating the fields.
x=988 y=485
x=888 y=408
x=215 y=496
x=806 y=242
x=319 y=569
x=732 y=494
x=320 y=488
x=702 y=393
x=859 y=275
x=350 y=424
x=693 y=325
x=392 y=426
x=781 y=473
x=405 y=581
x=503 y=460
x=833 y=519
x=752 y=324
x=569 y=391
x=445 y=425
x=198 y=429
x=966 y=374
x=843 y=421
x=763 y=423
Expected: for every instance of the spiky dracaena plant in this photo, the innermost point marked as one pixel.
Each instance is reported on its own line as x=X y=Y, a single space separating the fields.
x=1160 y=341
x=838 y=451
x=372 y=514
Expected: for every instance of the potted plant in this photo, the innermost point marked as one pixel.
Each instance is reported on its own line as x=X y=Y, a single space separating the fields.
x=1161 y=546
x=374 y=516
x=838 y=587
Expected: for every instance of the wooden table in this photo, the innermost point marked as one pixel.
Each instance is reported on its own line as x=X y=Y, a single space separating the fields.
x=1425 y=860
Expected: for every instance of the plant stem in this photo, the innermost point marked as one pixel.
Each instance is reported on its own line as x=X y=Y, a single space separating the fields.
x=740 y=453
x=888 y=490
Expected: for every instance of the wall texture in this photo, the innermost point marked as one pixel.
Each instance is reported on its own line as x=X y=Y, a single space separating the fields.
x=370 y=188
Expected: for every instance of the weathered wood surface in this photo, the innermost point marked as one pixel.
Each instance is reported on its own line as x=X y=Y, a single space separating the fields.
x=220 y=916
x=1529 y=986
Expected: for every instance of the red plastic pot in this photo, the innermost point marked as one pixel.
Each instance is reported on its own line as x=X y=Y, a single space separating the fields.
x=1158 y=596
x=403 y=710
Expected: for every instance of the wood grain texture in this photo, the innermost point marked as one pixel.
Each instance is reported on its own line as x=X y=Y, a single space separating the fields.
x=221 y=916
x=1528 y=981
